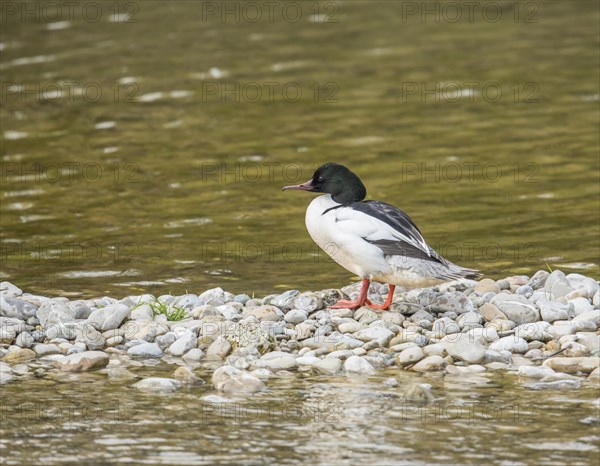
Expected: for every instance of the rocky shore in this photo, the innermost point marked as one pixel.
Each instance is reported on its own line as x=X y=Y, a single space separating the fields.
x=543 y=328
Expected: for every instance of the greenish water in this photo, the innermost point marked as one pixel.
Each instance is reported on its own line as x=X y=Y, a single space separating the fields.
x=485 y=131
x=159 y=170
x=321 y=420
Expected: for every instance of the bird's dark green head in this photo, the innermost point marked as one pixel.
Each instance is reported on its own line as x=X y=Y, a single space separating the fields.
x=335 y=179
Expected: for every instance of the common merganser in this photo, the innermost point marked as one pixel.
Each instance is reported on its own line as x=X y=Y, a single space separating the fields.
x=372 y=239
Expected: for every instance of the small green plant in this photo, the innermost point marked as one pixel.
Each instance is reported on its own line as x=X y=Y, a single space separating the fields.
x=549 y=268
x=173 y=313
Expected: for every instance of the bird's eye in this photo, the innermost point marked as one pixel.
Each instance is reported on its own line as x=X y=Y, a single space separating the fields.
x=320 y=178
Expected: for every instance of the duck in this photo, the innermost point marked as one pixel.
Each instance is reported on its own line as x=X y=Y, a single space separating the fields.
x=374 y=240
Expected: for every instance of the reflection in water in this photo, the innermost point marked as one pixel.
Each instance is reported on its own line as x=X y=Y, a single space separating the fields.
x=301 y=419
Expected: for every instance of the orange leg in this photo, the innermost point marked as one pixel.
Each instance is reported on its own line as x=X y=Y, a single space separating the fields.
x=385 y=306
x=362 y=298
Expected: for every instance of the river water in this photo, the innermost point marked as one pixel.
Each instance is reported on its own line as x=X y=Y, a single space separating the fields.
x=144 y=145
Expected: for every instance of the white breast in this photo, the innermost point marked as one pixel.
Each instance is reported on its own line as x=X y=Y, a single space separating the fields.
x=341 y=240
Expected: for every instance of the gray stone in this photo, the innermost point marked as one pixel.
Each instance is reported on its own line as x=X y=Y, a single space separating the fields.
x=183 y=344
x=308 y=302
x=67 y=330
x=219 y=349
x=264 y=313
x=18 y=308
x=24 y=340
x=429 y=364
x=55 y=312
x=581 y=305
x=567 y=365
x=295 y=316
x=145 y=350
x=230 y=379
x=91 y=337
x=455 y=301
x=462 y=346
x=85 y=361
x=410 y=356
x=350 y=327
x=276 y=361
x=552 y=311
x=194 y=355
x=186 y=376
x=142 y=312
x=9 y=290
x=470 y=319
x=538 y=280
x=557 y=284
x=359 y=365
x=109 y=317
x=525 y=290
x=328 y=365
x=535 y=372
x=516 y=308
x=535 y=331
x=46 y=349
x=445 y=326
x=380 y=334
x=157 y=384
x=513 y=344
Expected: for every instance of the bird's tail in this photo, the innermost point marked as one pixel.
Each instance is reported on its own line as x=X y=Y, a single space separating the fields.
x=454 y=272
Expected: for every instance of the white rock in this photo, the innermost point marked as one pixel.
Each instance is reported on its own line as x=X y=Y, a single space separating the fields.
x=429 y=364
x=513 y=344
x=410 y=355
x=358 y=364
x=295 y=316
x=145 y=350
x=381 y=334
x=183 y=344
x=535 y=372
x=109 y=317
x=85 y=361
x=218 y=349
x=194 y=355
x=230 y=379
x=464 y=347
x=158 y=384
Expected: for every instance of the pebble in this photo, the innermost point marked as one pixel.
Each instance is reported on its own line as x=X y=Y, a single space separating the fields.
x=183 y=344
x=516 y=308
x=145 y=350
x=573 y=365
x=513 y=344
x=430 y=364
x=230 y=379
x=410 y=356
x=109 y=317
x=42 y=349
x=186 y=376
x=85 y=361
x=194 y=355
x=463 y=326
x=359 y=365
x=464 y=347
x=219 y=349
x=158 y=384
